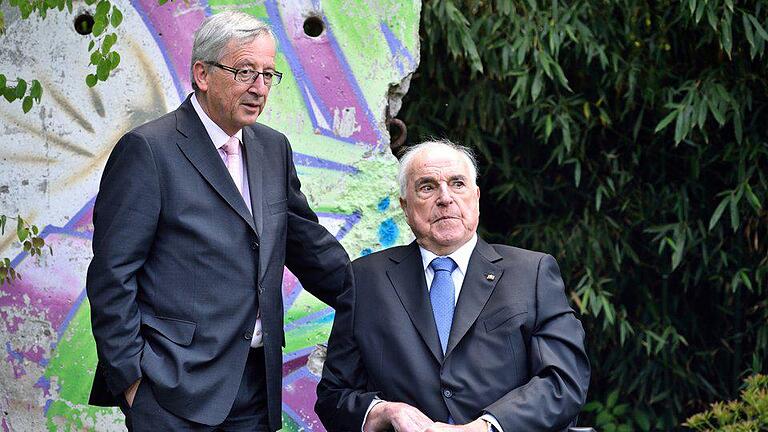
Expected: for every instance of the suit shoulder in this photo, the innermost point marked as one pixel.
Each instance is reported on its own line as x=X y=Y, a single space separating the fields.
x=519 y=255
x=379 y=258
x=267 y=134
x=157 y=127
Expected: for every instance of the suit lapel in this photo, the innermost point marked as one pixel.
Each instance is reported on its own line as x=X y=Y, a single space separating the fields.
x=196 y=145
x=475 y=291
x=407 y=277
x=253 y=158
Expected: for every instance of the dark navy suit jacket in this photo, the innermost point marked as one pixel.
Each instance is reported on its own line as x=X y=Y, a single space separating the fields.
x=515 y=350
x=181 y=266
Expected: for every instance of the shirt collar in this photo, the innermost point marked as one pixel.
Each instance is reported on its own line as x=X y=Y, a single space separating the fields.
x=460 y=256
x=218 y=136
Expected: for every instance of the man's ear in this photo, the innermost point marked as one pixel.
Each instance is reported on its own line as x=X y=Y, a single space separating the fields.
x=200 y=73
x=404 y=207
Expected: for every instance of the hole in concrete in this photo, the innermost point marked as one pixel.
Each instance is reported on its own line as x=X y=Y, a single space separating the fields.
x=84 y=24
x=314 y=26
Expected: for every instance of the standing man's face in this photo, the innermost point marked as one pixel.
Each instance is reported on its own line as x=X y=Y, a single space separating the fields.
x=229 y=103
x=442 y=202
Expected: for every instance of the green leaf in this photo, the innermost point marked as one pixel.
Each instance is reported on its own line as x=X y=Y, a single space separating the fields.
x=726 y=36
x=536 y=86
x=109 y=41
x=2 y=81
x=91 y=80
x=603 y=419
x=666 y=121
x=21 y=88
x=592 y=406
x=613 y=397
x=21 y=231
x=38 y=242
x=96 y=57
x=752 y=198
x=99 y=25
x=10 y=94
x=734 y=214
x=745 y=279
x=26 y=105
x=548 y=126
x=91 y=44
x=642 y=420
x=577 y=173
x=748 y=29
x=718 y=212
x=36 y=91
x=114 y=59
x=103 y=8
x=117 y=17
x=760 y=30
x=102 y=70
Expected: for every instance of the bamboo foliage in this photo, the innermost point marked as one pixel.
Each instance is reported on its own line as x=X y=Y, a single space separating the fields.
x=627 y=138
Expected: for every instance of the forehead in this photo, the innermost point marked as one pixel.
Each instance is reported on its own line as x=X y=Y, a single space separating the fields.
x=438 y=162
x=259 y=49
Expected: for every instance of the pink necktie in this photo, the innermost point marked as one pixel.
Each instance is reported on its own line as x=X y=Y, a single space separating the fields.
x=234 y=162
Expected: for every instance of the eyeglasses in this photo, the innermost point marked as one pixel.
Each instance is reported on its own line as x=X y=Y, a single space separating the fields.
x=249 y=76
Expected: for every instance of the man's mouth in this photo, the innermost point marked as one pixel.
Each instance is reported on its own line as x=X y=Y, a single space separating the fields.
x=442 y=218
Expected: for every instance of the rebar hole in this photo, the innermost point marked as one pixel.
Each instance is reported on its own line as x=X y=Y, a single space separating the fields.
x=84 y=24
x=314 y=26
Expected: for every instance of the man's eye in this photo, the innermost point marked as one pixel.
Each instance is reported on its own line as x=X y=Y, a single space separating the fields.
x=458 y=183
x=247 y=73
x=426 y=188
x=267 y=75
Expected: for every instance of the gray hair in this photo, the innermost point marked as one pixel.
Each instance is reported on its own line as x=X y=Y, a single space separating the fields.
x=439 y=145
x=217 y=30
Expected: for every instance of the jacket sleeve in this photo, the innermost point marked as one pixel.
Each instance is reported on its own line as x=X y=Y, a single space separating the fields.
x=125 y=218
x=559 y=365
x=342 y=396
x=312 y=253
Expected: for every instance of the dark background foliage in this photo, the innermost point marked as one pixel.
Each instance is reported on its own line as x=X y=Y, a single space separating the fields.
x=628 y=139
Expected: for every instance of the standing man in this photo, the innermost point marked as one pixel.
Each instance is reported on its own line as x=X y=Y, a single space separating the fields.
x=197 y=213
x=451 y=333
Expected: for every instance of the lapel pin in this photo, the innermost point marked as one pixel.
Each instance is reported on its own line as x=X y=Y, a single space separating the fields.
x=490 y=277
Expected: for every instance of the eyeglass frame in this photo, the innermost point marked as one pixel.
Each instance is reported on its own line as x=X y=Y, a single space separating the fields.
x=235 y=72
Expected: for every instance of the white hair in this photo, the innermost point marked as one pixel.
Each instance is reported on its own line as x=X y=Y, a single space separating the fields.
x=217 y=30
x=434 y=145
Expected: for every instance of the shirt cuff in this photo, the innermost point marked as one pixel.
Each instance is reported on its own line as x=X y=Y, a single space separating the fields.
x=495 y=426
x=374 y=402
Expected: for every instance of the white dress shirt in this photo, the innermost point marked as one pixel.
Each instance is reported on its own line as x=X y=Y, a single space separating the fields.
x=461 y=257
x=219 y=138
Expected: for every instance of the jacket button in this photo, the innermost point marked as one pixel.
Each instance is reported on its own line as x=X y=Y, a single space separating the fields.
x=447 y=393
x=247 y=336
x=261 y=289
x=254 y=245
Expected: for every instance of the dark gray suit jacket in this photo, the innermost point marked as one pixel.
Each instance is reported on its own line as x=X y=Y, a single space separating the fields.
x=515 y=350
x=181 y=267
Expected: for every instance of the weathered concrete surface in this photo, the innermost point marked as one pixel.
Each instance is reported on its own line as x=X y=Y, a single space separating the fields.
x=332 y=105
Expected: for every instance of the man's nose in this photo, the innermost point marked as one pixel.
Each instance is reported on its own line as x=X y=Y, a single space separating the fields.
x=258 y=86
x=444 y=196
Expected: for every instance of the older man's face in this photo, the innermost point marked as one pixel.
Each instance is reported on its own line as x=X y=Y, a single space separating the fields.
x=229 y=103
x=442 y=202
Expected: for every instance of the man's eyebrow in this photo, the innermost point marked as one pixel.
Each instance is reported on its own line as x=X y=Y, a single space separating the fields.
x=424 y=179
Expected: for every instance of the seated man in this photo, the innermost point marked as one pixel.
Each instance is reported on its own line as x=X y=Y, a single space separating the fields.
x=450 y=332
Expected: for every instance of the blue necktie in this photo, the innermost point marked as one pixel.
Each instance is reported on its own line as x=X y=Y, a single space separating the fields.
x=442 y=294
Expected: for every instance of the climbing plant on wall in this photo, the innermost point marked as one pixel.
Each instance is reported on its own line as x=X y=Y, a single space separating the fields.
x=628 y=139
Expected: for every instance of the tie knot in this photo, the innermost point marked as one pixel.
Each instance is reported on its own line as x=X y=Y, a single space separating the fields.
x=443 y=264
x=232 y=146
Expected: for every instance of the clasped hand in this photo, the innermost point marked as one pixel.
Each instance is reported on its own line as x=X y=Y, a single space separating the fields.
x=405 y=418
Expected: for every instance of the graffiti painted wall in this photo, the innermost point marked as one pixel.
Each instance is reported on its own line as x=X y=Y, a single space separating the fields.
x=341 y=58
